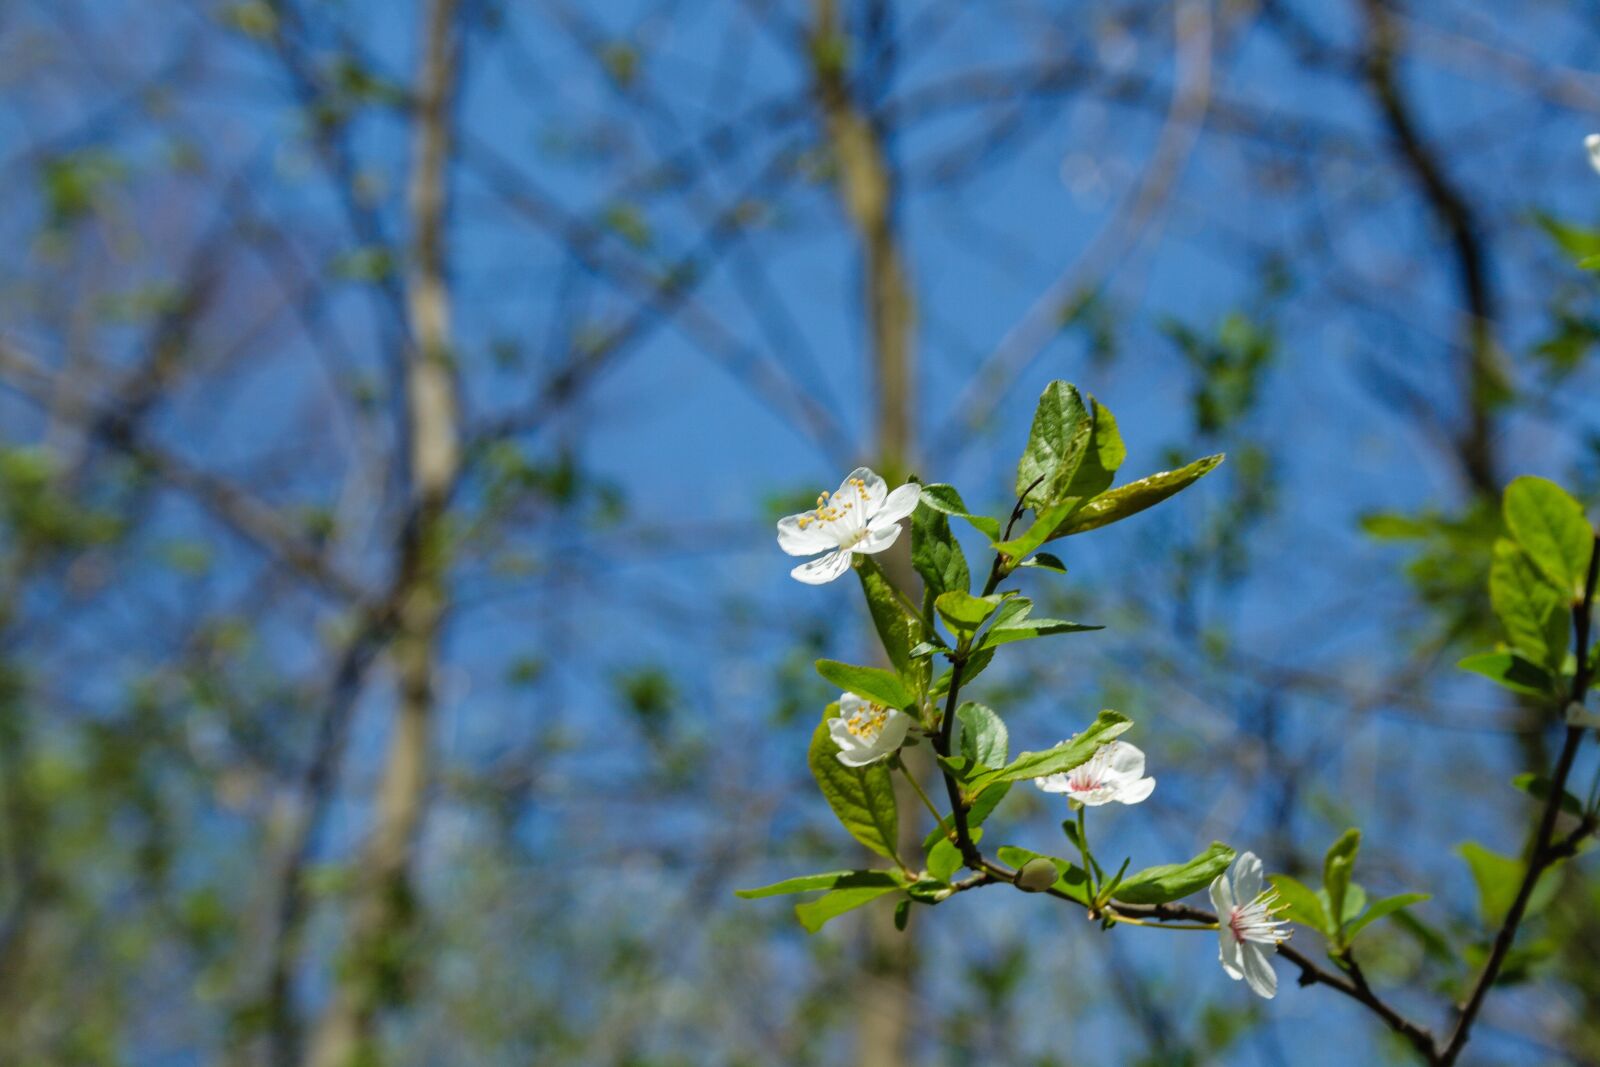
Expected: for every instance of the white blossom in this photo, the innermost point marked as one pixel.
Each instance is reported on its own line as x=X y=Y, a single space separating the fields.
x=1114 y=772
x=862 y=516
x=1592 y=143
x=866 y=732
x=1245 y=924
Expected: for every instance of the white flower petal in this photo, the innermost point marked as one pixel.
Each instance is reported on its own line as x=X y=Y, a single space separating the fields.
x=842 y=736
x=1229 y=953
x=1054 y=783
x=1592 y=143
x=796 y=540
x=1247 y=878
x=900 y=503
x=869 y=496
x=823 y=569
x=877 y=540
x=1135 y=792
x=1123 y=759
x=1221 y=897
x=1258 y=971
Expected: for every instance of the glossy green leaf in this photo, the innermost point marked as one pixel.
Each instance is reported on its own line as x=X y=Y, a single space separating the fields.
x=936 y=554
x=1336 y=868
x=1512 y=671
x=982 y=738
x=963 y=612
x=944 y=498
x=1042 y=529
x=1044 y=561
x=1382 y=909
x=873 y=683
x=1028 y=629
x=1174 y=881
x=813 y=914
x=1057 y=442
x=807 y=883
x=1130 y=499
x=1301 y=903
x=861 y=797
x=1550 y=526
x=981 y=735
x=1532 y=611
x=1063 y=757
x=896 y=629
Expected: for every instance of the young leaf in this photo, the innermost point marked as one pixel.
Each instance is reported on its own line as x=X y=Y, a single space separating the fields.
x=936 y=554
x=1027 y=629
x=1336 y=867
x=981 y=735
x=1302 y=905
x=814 y=913
x=1046 y=562
x=1045 y=522
x=963 y=612
x=862 y=797
x=1538 y=787
x=1057 y=441
x=873 y=683
x=1065 y=756
x=1381 y=909
x=1174 y=881
x=1130 y=499
x=896 y=629
x=807 y=883
x=1071 y=879
x=1551 y=528
x=944 y=498
x=1498 y=878
x=1511 y=671
x=1527 y=605
x=982 y=738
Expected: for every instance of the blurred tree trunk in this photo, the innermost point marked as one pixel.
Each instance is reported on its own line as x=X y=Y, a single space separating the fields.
x=375 y=953
x=865 y=181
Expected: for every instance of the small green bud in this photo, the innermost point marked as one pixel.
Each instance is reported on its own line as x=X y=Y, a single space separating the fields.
x=1036 y=875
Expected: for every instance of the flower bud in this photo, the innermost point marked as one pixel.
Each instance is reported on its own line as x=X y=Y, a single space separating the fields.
x=1037 y=875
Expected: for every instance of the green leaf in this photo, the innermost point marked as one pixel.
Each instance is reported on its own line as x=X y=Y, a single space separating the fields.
x=1550 y=526
x=944 y=858
x=963 y=612
x=1512 y=671
x=1527 y=605
x=983 y=739
x=1336 y=868
x=1130 y=499
x=1301 y=904
x=896 y=629
x=1496 y=876
x=936 y=554
x=1045 y=522
x=873 y=683
x=902 y=915
x=1174 y=881
x=1538 y=787
x=1574 y=240
x=1027 y=629
x=1071 y=879
x=862 y=797
x=814 y=913
x=1381 y=909
x=807 y=883
x=945 y=499
x=1057 y=441
x=981 y=735
x=1065 y=756
x=1046 y=562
